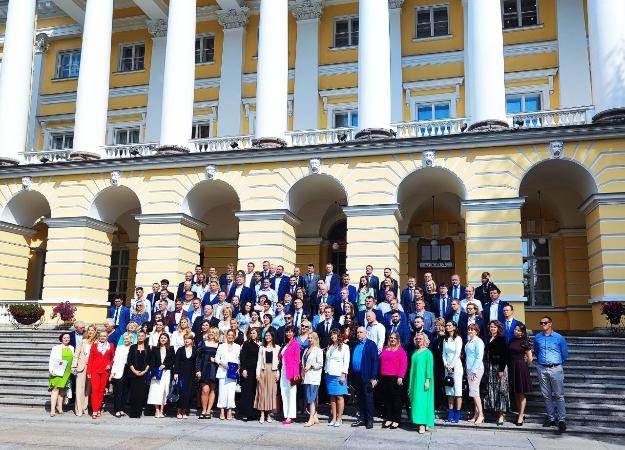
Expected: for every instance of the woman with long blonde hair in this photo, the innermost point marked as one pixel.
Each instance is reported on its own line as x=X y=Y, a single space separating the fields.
x=79 y=369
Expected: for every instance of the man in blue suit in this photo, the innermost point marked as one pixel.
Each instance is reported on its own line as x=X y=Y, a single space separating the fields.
x=460 y=318
x=456 y=290
x=427 y=316
x=409 y=295
x=323 y=296
x=76 y=336
x=352 y=293
x=325 y=326
x=339 y=303
x=493 y=310
x=509 y=323
x=370 y=306
x=243 y=292
x=280 y=282
x=374 y=281
x=365 y=365
x=442 y=303
x=223 y=278
x=397 y=325
x=332 y=280
x=119 y=313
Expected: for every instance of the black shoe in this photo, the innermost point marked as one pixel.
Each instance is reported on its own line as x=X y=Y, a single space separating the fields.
x=369 y=424
x=358 y=423
x=549 y=423
x=561 y=426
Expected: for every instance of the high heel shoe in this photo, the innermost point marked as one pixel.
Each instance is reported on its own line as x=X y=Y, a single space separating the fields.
x=479 y=420
x=520 y=423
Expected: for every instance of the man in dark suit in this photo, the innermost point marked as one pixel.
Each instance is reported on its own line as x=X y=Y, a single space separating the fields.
x=299 y=279
x=365 y=365
x=374 y=281
x=266 y=273
x=292 y=287
x=456 y=290
x=459 y=317
x=326 y=325
x=298 y=313
x=211 y=296
x=394 y=283
x=208 y=315
x=223 y=277
x=370 y=306
x=188 y=277
x=229 y=284
x=409 y=295
x=280 y=282
x=352 y=293
x=76 y=336
x=442 y=303
x=509 y=323
x=175 y=316
x=239 y=289
x=341 y=302
x=399 y=326
x=332 y=280
x=165 y=286
x=154 y=296
x=482 y=293
x=119 y=313
x=493 y=310
x=310 y=284
x=280 y=333
x=322 y=295
x=427 y=316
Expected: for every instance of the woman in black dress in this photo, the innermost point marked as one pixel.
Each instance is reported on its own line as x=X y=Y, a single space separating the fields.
x=249 y=359
x=184 y=375
x=436 y=347
x=206 y=368
x=520 y=360
x=138 y=366
x=496 y=358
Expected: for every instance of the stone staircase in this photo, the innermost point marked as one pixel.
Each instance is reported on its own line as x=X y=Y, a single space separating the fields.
x=594 y=380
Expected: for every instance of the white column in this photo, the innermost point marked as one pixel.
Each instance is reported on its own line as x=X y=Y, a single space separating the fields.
x=92 y=98
x=574 y=67
x=179 y=78
x=306 y=114
x=467 y=86
x=41 y=48
x=272 y=74
x=374 y=70
x=15 y=79
x=158 y=31
x=486 y=70
x=606 y=37
x=397 y=91
x=230 y=88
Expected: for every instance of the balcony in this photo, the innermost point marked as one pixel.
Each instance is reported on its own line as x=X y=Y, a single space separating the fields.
x=405 y=130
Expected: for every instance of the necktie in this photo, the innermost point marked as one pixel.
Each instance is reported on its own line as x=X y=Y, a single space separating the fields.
x=394 y=330
x=310 y=278
x=344 y=302
x=328 y=328
x=296 y=319
x=116 y=316
x=411 y=294
x=507 y=325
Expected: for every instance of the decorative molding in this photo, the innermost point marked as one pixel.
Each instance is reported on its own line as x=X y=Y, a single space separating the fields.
x=116 y=177
x=606 y=298
x=269 y=214
x=233 y=18
x=555 y=149
x=42 y=43
x=428 y=158
x=597 y=200
x=210 y=172
x=309 y=240
x=16 y=229
x=314 y=166
x=493 y=204
x=529 y=308
x=432 y=84
x=307 y=9
x=373 y=210
x=157 y=28
x=177 y=218
x=432 y=58
x=221 y=243
x=395 y=4
x=27 y=183
x=531 y=48
x=81 y=221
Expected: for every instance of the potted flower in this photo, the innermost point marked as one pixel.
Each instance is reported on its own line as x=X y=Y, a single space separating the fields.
x=64 y=312
x=26 y=313
x=613 y=311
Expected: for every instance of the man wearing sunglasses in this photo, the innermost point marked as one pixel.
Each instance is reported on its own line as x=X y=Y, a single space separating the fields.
x=551 y=352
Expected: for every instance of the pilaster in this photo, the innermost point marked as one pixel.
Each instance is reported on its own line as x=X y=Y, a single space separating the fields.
x=14 y=258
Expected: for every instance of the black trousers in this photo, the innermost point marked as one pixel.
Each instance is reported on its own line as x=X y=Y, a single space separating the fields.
x=364 y=392
x=138 y=396
x=392 y=398
x=248 y=394
x=120 y=387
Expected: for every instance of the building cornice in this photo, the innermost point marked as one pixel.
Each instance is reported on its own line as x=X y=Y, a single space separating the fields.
x=269 y=214
x=373 y=210
x=494 y=204
x=179 y=218
x=596 y=200
x=81 y=221
x=16 y=229
x=350 y=149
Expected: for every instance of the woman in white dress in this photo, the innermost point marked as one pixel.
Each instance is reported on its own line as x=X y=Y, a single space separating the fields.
x=452 y=348
x=161 y=365
x=224 y=323
x=227 y=352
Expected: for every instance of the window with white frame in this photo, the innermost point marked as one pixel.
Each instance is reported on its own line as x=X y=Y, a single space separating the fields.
x=519 y=13
x=432 y=21
x=432 y=111
x=346 y=32
x=61 y=140
x=537 y=272
x=67 y=64
x=345 y=119
x=131 y=57
x=201 y=130
x=521 y=103
x=125 y=136
x=204 y=49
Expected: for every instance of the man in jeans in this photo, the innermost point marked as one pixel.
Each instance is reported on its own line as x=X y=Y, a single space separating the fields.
x=551 y=352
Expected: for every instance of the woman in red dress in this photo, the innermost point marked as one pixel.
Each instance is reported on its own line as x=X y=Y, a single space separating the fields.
x=98 y=370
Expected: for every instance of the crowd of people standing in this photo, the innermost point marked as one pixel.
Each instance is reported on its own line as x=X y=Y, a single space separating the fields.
x=260 y=343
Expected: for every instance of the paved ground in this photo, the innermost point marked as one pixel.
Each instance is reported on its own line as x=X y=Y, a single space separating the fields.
x=33 y=428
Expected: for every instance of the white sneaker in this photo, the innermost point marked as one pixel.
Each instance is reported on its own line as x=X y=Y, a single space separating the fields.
x=338 y=423
x=332 y=423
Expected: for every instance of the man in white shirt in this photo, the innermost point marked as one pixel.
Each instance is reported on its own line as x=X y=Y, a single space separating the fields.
x=272 y=296
x=469 y=291
x=375 y=331
x=212 y=296
x=220 y=305
x=385 y=306
x=249 y=275
x=265 y=270
x=147 y=305
x=196 y=311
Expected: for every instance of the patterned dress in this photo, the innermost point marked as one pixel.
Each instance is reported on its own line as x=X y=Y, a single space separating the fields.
x=496 y=359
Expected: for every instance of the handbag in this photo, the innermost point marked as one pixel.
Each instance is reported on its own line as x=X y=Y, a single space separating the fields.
x=174 y=392
x=449 y=380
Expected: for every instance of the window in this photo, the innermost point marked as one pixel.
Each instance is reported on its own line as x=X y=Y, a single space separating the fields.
x=346 y=32
x=68 y=64
x=537 y=272
x=201 y=130
x=118 y=279
x=519 y=13
x=432 y=111
x=124 y=136
x=345 y=119
x=204 y=49
x=60 y=141
x=131 y=57
x=432 y=21
x=520 y=103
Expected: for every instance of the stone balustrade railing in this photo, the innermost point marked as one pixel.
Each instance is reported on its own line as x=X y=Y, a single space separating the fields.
x=129 y=150
x=429 y=128
x=45 y=156
x=221 y=144
x=553 y=118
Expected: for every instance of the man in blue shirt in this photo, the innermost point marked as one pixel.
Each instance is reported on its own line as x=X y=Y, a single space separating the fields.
x=551 y=352
x=365 y=366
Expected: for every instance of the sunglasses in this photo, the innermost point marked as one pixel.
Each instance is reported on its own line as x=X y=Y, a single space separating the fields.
x=545 y=323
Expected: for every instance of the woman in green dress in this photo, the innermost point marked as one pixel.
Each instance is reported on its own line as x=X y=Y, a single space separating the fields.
x=59 y=366
x=421 y=388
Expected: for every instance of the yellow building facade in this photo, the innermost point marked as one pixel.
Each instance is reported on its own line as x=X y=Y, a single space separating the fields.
x=540 y=205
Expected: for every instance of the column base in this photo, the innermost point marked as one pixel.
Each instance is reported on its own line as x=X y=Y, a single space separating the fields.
x=373 y=134
x=171 y=150
x=489 y=125
x=83 y=156
x=610 y=116
x=269 y=142
x=8 y=162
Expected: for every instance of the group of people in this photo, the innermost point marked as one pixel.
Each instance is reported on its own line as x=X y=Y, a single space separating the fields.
x=288 y=343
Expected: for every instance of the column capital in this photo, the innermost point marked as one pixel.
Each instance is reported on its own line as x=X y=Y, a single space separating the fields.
x=176 y=218
x=307 y=9
x=157 y=28
x=269 y=214
x=373 y=210
x=233 y=18
x=493 y=204
x=42 y=43
x=395 y=4
x=596 y=200
x=81 y=221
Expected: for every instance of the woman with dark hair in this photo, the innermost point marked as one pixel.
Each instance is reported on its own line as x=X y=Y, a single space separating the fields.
x=364 y=291
x=184 y=374
x=336 y=370
x=162 y=363
x=520 y=360
x=245 y=316
x=267 y=320
x=139 y=358
x=393 y=366
x=267 y=376
x=436 y=347
x=206 y=368
x=350 y=326
x=290 y=374
x=255 y=322
x=496 y=359
x=59 y=366
x=452 y=349
x=249 y=360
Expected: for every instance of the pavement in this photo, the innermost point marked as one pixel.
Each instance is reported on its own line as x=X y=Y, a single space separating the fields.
x=34 y=428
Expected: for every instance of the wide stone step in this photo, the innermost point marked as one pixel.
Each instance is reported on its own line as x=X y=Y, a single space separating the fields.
x=581 y=388
x=580 y=409
x=23 y=382
x=589 y=397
